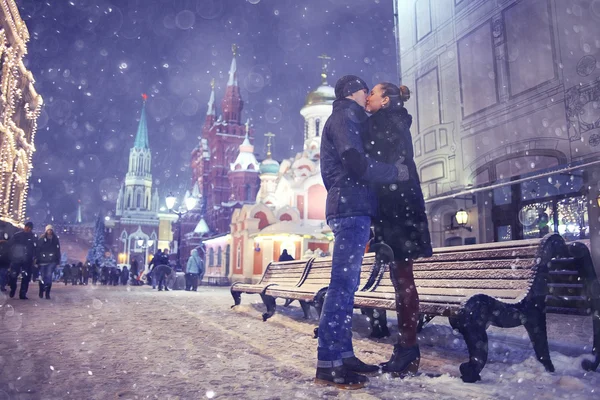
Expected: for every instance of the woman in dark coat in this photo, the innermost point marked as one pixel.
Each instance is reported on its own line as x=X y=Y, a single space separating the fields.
x=401 y=222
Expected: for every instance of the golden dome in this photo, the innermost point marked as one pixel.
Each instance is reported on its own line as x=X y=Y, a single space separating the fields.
x=324 y=94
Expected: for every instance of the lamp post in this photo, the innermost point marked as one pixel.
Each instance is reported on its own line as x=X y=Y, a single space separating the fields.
x=190 y=203
x=145 y=244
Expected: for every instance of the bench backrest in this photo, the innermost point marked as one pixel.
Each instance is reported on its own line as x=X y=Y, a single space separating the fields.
x=573 y=286
x=448 y=278
x=285 y=273
x=319 y=273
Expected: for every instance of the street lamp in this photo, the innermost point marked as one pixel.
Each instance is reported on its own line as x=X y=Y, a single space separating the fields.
x=190 y=203
x=145 y=244
x=462 y=217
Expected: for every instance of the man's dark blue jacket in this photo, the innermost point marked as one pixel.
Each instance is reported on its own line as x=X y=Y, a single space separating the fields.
x=347 y=172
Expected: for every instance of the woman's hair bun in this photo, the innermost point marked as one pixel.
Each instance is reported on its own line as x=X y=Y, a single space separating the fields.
x=404 y=93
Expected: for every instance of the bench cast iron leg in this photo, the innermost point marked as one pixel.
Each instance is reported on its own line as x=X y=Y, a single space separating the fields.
x=424 y=320
x=472 y=322
x=288 y=302
x=305 y=308
x=534 y=321
x=270 y=304
x=237 y=298
x=378 y=321
x=319 y=300
x=589 y=365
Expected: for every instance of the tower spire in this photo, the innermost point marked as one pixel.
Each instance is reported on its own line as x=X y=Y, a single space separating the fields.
x=232 y=103
x=211 y=100
x=269 y=137
x=79 y=217
x=233 y=69
x=141 y=138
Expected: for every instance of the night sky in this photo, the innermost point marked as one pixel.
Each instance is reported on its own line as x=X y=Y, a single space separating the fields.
x=92 y=60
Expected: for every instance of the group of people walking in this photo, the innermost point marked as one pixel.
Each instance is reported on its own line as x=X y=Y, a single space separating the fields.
x=373 y=196
x=80 y=274
x=19 y=256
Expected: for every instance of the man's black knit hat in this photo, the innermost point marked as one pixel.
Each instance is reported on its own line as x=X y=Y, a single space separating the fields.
x=349 y=84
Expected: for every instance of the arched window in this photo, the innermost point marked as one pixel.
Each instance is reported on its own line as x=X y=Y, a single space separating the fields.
x=318 y=127
x=305 y=129
x=219 y=256
x=211 y=257
x=238 y=257
x=247 y=192
x=139 y=200
x=227 y=257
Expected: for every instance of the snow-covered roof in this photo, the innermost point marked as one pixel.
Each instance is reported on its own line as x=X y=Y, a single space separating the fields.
x=291 y=228
x=245 y=159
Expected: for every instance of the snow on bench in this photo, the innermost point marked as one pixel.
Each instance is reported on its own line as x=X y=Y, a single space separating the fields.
x=506 y=285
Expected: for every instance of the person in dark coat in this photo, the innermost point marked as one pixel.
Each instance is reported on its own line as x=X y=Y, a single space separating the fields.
x=104 y=275
x=401 y=221
x=74 y=274
x=4 y=259
x=67 y=274
x=80 y=273
x=48 y=257
x=134 y=271
x=348 y=175
x=85 y=273
x=95 y=273
x=161 y=272
x=153 y=263
x=22 y=254
x=124 y=276
x=285 y=256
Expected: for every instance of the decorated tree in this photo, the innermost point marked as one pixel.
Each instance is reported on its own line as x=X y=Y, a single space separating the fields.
x=96 y=254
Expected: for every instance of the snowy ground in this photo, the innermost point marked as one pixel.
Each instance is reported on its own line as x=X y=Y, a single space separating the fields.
x=134 y=343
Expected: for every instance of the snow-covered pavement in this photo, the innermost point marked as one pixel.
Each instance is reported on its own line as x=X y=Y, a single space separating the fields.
x=134 y=343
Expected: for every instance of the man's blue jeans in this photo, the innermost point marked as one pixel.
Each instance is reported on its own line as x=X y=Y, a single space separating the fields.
x=335 y=328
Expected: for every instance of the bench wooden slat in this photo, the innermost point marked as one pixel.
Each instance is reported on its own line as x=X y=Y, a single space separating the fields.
x=475 y=265
x=483 y=284
x=475 y=274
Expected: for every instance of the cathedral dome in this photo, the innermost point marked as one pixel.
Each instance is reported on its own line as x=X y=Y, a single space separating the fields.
x=269 y=166
x=324 y=94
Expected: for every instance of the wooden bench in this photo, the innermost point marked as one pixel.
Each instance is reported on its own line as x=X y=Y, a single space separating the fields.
x=312 y=288
x=504 y=284
x=285 y=273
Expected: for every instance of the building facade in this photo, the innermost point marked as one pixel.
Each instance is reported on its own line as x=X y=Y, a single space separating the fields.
x=287 y=213
x=212 y=159
x=20 y=106
x=138 y=227
x=506 y=123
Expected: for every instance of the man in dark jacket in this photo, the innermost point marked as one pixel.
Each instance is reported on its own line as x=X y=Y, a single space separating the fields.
x=351 y=202
x=153 y=263
x=4 y=258
x=134 y=271
x=22 y=254
x=48 y=257
x=162 y=269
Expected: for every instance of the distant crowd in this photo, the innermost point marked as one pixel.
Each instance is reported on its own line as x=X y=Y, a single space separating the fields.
x=27 y=257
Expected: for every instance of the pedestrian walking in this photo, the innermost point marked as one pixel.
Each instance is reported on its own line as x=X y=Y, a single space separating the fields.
x=22 y=254
x=124 y=275
x=48 y=257
x=153 y=263
x=67 y=273
x=351 y=202
x=134 y=271
x=193 y=270
x=95 y=273
x=85 y=272
x=74 y=274
x=162 y=270
x=4 y=258
x=401 y=221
